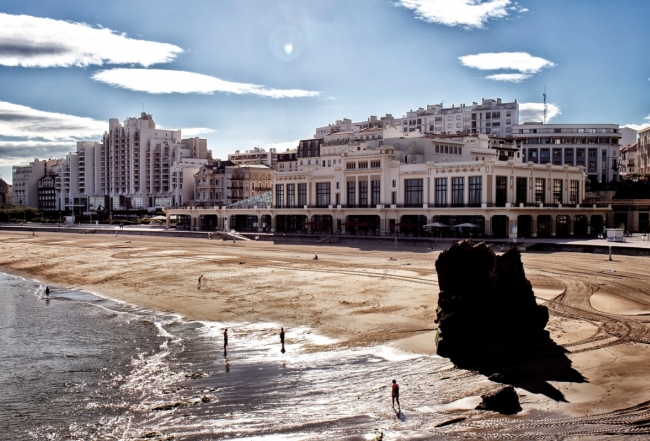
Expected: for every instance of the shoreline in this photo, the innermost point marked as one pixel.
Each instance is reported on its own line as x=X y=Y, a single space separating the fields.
x=362 y=297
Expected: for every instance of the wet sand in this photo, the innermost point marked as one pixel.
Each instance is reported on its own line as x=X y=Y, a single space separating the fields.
x=365 y=297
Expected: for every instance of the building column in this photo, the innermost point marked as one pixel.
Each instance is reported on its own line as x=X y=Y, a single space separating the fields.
x=570 y=225
x=553 y=226
x=167 y=221
x=273 y=223
x=488 y=226
x=512 y=221
x=533 y=225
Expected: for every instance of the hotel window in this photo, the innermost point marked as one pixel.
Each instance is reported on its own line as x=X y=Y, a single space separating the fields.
x=522 y=190
x=279 y=195
x=352 y=193
x=351 y=165
x=302 y=194
x=539 y=190
x=376 y=189
x=363 y=164
x=502 y=191
x=375 y=164
x=413 y=192
x=458 y=191
x=291 y=195
x=394 y=183
x=363 y=193
x=475 y=190
x=557 y=191
x=573 y=192
x=322 y=194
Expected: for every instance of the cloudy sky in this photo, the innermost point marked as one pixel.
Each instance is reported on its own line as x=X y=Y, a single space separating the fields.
x=265 y=73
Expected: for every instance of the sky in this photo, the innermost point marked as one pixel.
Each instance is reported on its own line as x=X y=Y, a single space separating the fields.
x=247 y=73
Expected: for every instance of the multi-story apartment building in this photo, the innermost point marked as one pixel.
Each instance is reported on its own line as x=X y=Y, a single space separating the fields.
x=25 y=181
x=245 y=181
x=628 y=160
x=643 y=151
x=593 y=146
x=6 y=193
x=255 y=156
x=141 y=165
x=47 y=193
x=491 y=117
x=210 y=184
x=288 y=160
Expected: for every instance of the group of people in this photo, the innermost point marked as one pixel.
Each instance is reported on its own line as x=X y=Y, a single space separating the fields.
x=394 y=386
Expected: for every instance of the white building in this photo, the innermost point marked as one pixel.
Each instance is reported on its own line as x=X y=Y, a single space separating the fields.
x=593 y=146
x=143 y=166
x=25 y=181
x=255 y=156
x=491 y=117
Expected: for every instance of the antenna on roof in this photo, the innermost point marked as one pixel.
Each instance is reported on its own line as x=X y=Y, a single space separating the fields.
x=545 y=106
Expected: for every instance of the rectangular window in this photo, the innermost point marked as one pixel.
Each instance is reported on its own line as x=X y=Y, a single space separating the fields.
x=322 y=194
x=557 y=191
x=539 y=190
x=393 y=197
x=502 y=191
x=573 y=192
x=413 y=192
x=363 y=164
x=350 y=165
x=475 y=190
x=496 y=114
x=375 y=164
x=363 y=193
x=441 y=192
x=376 y=195
x=522 y=191
x=302 y=194
x=279 y=195
x=458 y=191
x=291 y=195
x=352 y=190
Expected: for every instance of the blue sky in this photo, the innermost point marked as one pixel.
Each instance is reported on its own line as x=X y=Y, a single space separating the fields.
x=266 y=73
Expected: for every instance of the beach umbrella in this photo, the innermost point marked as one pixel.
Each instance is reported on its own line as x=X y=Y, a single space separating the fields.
x=467 y=225
x=436 y=224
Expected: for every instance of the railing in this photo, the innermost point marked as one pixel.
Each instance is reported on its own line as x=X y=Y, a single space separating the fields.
x=287 y=206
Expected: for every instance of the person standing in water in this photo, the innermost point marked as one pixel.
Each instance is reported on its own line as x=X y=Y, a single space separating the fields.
x=395 y=395
x=282 y=339
x=225 y=342
x=47 y=291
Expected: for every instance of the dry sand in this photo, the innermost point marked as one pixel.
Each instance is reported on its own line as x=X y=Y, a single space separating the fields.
x=362 y=296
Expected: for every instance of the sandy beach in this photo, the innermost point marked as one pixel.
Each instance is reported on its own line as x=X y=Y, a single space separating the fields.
x=362 y=296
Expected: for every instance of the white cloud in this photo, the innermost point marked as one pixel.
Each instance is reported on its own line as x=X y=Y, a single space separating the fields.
x=638 y=127
x=22 y=152
x=529 y=112
x=24 y=122
x=44 y=42
x=466 y=13
x=283 y=146
x=177 y=81
x=193 y=132
x=519 y=61
x=511 y=78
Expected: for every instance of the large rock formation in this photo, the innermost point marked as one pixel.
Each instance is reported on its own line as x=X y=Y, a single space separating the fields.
x=486 y=308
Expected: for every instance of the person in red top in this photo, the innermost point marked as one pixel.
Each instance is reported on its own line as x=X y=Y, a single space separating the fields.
x=395 y=395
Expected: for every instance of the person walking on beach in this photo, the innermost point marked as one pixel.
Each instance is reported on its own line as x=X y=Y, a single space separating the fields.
x=282 y=339
x=199 y=284
x=395 y=396
x=225 y=341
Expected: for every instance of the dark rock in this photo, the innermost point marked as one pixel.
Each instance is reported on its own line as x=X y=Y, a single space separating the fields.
x=503 y=400
x=449 y=422
x=485 y=302
x=206 y=399
x=196 y=375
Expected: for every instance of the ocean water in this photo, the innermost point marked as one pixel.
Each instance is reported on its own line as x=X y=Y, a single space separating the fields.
x=78 y=366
